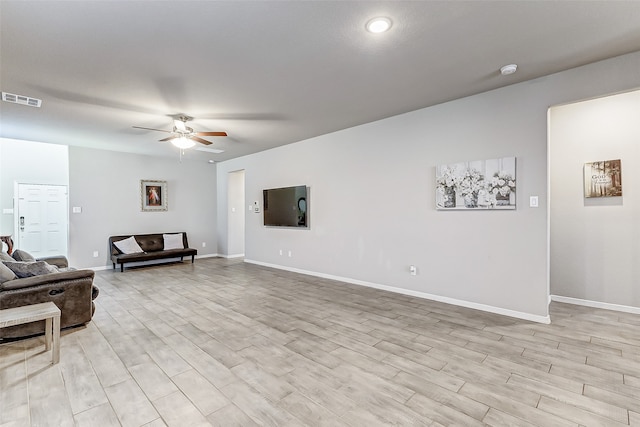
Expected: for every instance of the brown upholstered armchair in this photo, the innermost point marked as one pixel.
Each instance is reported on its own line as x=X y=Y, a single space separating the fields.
x=71 y=290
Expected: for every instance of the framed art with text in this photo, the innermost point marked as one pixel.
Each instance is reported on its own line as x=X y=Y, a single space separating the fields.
x=603 y=179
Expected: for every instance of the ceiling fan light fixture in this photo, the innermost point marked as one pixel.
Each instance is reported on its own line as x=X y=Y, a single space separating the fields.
x=378 y=25
x=183 y=142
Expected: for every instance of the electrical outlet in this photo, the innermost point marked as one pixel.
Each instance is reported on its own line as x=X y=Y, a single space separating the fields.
x=281 y=252
x=204 y=244
x=96 y=254
x=289 y=254
x=413 y=270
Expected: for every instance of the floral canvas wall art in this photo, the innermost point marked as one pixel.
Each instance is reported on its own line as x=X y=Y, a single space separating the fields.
x=478 y=184
x=603 y=179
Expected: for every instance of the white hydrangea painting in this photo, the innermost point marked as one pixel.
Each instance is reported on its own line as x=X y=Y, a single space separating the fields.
x=479 y=184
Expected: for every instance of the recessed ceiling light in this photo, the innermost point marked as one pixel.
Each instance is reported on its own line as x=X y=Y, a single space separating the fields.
x=378 y=25
x=508 y=69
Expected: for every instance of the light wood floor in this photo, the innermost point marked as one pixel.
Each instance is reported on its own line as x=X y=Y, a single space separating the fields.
x=225 y=343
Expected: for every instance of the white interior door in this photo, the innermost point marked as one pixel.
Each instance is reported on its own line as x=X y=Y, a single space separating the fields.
x=42 y=219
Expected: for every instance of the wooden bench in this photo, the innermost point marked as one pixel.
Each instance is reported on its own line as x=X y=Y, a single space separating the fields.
x=47 y=311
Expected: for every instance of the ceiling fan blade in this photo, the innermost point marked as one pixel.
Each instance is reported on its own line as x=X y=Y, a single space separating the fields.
x=201 y=141
x=159 y=130
x=169 y=138
x=211 y=133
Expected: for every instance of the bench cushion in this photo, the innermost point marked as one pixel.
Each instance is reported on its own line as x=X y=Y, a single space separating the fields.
x=172 y=241
x=128 y=246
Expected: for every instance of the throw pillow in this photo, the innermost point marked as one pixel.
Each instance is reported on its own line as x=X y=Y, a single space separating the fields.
x=128 y=246
x=28 y=269
x=20 y=255
x=6 y=273
x=173 y=241
x=6 y=257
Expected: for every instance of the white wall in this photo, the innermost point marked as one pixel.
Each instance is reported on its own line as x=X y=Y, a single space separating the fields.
x=372 y=209
x=106 y=185
x=31 y=163
x=595 y=243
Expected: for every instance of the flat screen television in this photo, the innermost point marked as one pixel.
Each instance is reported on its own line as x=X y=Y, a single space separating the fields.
x=286 y=207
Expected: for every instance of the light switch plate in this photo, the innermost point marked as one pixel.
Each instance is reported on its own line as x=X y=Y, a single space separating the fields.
x=533 y=201
x=77 y=209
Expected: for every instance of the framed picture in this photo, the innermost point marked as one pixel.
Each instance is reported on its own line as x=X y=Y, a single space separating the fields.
x=603 y=179
x=153 y=195
x=477 y=185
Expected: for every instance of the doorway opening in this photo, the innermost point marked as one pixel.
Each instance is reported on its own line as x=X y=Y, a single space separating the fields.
x=235 y=214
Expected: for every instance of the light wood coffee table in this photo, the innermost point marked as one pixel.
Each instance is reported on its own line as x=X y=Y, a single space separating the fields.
x=47 y=311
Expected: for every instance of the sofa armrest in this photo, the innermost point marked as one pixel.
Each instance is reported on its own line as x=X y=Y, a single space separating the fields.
x=47 y=279
x=58 y=260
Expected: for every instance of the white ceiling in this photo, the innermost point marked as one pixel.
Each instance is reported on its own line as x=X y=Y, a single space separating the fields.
x=275 y=72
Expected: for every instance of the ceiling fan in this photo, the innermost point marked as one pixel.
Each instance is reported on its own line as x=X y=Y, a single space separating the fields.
x=183 y=136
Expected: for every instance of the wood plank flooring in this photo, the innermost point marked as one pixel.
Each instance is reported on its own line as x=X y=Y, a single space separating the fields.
x=224 y=343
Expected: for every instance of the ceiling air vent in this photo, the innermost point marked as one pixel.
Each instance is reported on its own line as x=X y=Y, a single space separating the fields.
x=21 y=99
x=210 y=150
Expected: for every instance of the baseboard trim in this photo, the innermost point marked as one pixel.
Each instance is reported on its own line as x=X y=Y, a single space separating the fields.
x=208 y=256
x=423 y=295
x=596 y=304
x=231 y=256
